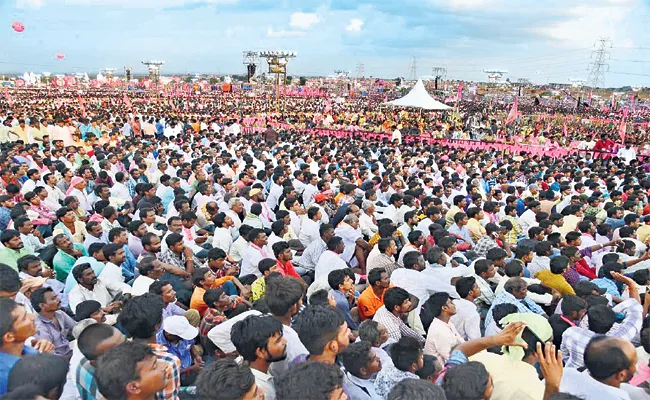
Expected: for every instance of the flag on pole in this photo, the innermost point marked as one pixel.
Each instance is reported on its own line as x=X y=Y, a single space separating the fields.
x=623 y=124
x=591 y=92
x=8 y=97
x=564 y=130
x=81 y=104
x=460 y=91
x=512 y=116
x=613 y=101
x=127 y=101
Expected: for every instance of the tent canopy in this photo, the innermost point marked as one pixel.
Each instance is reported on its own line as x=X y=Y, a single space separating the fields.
x=420 y=98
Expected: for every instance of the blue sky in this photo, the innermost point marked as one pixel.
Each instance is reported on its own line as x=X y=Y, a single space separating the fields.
x=549 y=40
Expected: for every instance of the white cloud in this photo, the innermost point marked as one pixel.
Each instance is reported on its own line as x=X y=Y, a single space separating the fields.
x=155 y=4
x=585 y=23
x=33 y=4
x=354 y=25
x=303 y=20
x=283 y=33
x=461 y=5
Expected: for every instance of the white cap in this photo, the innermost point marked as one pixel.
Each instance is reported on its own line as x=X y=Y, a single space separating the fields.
x=180 y=326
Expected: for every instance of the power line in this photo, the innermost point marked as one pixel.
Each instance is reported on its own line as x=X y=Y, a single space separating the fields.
x=628 y=73
x=631 y=61
x=599 y=66
x=413 y=69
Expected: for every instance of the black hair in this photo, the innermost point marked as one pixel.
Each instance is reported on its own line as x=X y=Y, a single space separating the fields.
x=253 y=333
x=356 y=356
x=224 y=379
x=9 y=279
x=601 y=318
x=405 y=352
x=416 y=389
x=86 y=308
x=336 y=278
x=318 y=325
x=464 y=286
x=604 y=357
x=313 y=381
x=38 y=297
x=142 y=316
x=282 y=294
x=118 y=366
x=466 y=381
x=394 y=297
x=91 y=337
x=46 y=371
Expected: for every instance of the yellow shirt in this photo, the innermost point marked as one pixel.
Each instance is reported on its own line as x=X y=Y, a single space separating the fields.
x=476 y=230
x=513 y=380
x=449 y=217
x=642 y=233
x=555 y=281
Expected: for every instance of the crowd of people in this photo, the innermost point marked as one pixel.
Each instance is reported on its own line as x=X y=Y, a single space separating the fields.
x=158 y=250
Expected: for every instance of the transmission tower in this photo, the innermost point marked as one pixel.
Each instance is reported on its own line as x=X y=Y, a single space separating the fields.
x=599 y=65
x=361 y=72
x=413 y=69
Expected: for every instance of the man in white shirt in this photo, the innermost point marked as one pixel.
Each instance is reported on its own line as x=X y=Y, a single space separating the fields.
x=34 y=179
x=420 y=284
x=527 y=219
x=310 y=225
x=605 y=377
x=150 y=271
x=255 y=252
x=222 y=236
x=366 y=220
x=467 y=320
x=269 y=346
x=331 y=259
x=90 y=288
x=54 y=195
x=119 y=189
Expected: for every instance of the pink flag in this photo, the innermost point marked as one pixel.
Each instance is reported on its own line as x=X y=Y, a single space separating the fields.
x=127 y=101
x=460 y=91
x=512 y=116
x=623 y=124
x=81 y=104
x=8 y=97
x=613 y=101
x=591 y=92
x=564 y=131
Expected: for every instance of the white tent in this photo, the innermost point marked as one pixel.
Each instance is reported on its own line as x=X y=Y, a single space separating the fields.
x=418 y=97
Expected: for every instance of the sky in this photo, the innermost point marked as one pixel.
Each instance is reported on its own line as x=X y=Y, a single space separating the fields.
x=543 y=41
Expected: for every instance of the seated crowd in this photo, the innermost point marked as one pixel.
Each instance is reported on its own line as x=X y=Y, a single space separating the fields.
x=209 y=266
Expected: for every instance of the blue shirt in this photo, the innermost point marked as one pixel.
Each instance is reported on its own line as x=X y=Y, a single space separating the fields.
x=5 y=218
x=608 y=284
x=7 y=362
x=180 y=349
x=128 y=266
x=461 y=232
x=343 y=304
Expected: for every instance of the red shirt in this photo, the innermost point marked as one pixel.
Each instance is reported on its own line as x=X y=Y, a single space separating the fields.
x=287 y=269
x=585 y=270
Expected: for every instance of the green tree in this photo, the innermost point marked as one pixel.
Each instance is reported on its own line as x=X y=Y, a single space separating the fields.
x=303 y=81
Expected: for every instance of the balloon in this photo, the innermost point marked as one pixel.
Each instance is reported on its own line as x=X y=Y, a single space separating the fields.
x=60 y=56
x=18 y=26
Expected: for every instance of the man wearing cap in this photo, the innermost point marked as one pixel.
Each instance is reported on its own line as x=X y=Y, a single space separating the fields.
x=178 y=336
